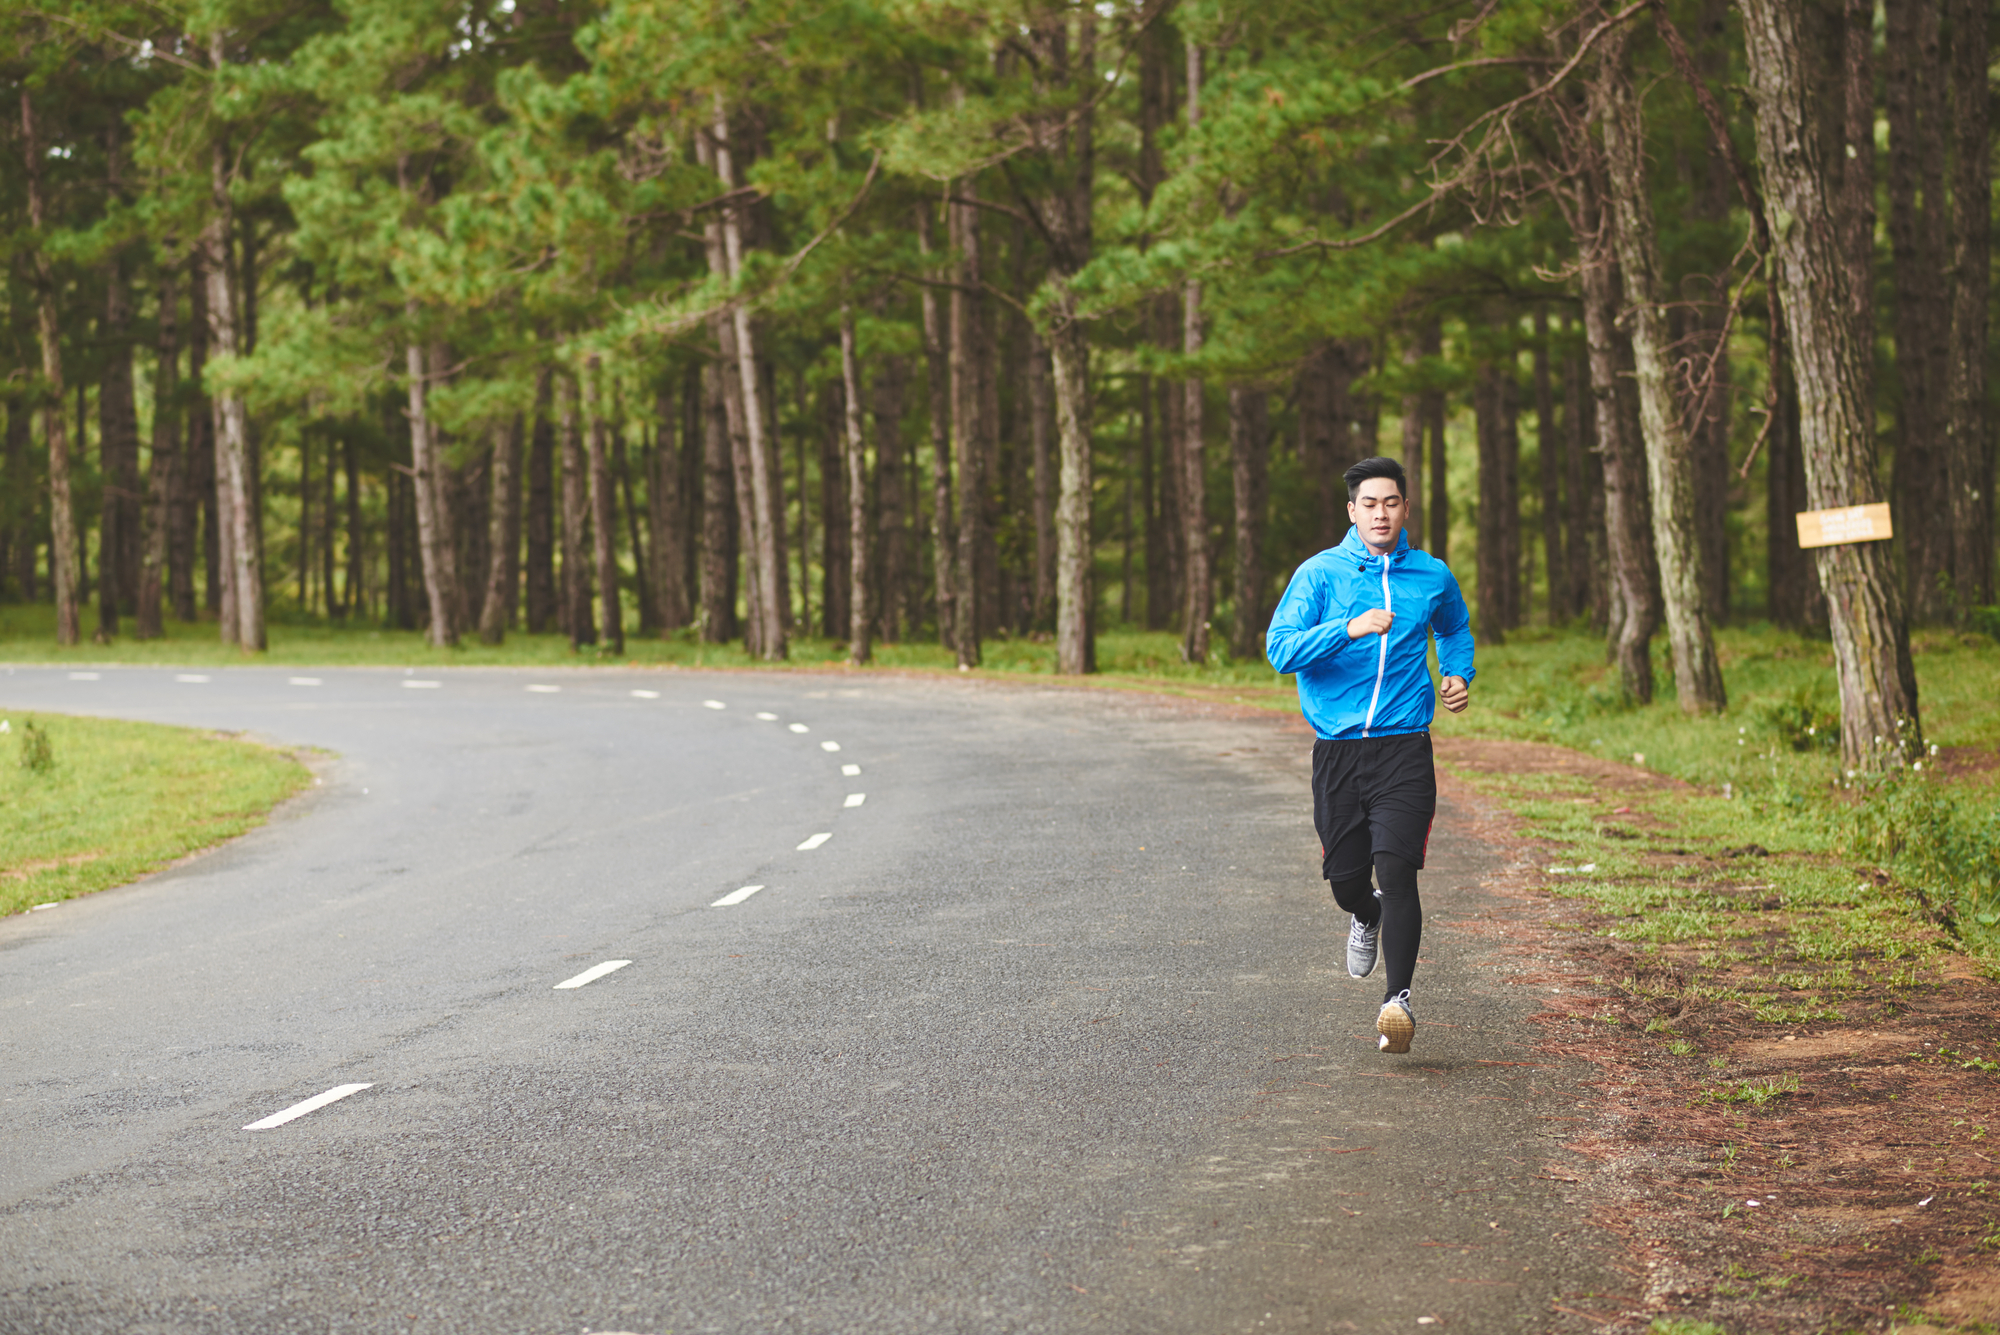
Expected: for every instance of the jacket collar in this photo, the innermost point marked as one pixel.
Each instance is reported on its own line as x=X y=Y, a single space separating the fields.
x=1353 y=546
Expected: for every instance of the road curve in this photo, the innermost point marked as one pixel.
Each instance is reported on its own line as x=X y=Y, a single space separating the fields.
x=1048 y=1033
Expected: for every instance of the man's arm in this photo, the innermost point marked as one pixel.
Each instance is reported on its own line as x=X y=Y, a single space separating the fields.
x=1452 y=624
x=1299 y=636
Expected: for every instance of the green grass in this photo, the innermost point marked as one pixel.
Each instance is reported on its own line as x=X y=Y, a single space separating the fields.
x=118 y=800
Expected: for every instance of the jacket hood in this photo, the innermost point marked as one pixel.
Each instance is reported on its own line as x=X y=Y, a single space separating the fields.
x=1352 y=545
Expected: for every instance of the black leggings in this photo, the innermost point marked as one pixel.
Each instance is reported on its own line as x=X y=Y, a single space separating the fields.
x=1399 y=910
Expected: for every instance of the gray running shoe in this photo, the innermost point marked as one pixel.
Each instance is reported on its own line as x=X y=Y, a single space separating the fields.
x=1363 y=943
x=1396 y=1024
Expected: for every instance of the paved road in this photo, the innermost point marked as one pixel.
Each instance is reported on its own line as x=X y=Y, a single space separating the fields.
x=1051 y=1034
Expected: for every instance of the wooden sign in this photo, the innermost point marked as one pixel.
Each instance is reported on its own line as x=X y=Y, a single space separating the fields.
x=1851 y=523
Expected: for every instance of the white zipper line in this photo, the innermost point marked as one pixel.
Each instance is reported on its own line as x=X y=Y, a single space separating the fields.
x=1381 y=663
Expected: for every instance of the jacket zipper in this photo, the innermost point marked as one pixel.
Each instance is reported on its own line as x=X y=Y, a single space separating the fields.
x=1382 y=662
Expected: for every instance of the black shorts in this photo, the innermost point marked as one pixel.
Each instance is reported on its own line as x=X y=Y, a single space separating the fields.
x=1373 y=795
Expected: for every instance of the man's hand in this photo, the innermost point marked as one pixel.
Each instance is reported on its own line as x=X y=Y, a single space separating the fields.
x=1376 y=622
x=1454 y=694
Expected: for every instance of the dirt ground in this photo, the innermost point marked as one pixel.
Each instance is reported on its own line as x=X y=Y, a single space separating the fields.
x=1861 y=1194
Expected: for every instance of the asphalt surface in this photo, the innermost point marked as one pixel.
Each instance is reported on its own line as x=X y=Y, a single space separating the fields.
x=1053 y=1032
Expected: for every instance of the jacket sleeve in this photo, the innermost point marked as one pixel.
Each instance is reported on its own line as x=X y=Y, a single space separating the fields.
x=1452 y=624
x=1300 y=636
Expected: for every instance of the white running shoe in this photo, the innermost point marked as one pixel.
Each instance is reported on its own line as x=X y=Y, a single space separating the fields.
x=1363 y=944
x=1396 y=1024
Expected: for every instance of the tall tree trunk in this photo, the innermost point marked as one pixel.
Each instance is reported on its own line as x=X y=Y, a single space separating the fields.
x=1584 y=553
x=767 y=607
x=1491 y=559
x=436 y=551
x=944 y=541
x=833 y=564
x=541 y=521
x=1158 y=596
x=892 y=522
x=1413 y=449
x=162 y=482
x=118 y=449
x=1249 y=467
x=1076 y=592
x=357 y=584
x=1438 y=522
x=1922 y=314
x=1827 y=315
x=576 y=602
x=194 y=478
x=860 y=614
x=1627 y=526
x=1669 y=462
x=1969 y=461
x=643 y=591
x=1194 y=459
x=968 y=427
x=236 y=501
x=1509 y=444
x=62 y=508
x=305 y=524
x=718 y=513
x=1041 y=435
x=604 y=517
x=503 y=549
x=1549 y=457
x=667 y=514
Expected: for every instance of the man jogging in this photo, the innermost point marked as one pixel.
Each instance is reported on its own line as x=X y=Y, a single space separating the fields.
x=1355 y=625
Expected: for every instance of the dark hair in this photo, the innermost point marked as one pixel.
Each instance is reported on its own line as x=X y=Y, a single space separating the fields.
x=1377 y=467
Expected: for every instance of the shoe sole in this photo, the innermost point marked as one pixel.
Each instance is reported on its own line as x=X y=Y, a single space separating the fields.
x=1396 y=1028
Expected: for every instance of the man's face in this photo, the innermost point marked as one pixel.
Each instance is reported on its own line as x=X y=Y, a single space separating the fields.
x=1377 y=510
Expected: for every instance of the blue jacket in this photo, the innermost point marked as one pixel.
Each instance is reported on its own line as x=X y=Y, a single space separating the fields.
x=1379 y=684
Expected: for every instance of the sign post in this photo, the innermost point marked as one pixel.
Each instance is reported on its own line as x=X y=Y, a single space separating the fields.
x=1852 y=523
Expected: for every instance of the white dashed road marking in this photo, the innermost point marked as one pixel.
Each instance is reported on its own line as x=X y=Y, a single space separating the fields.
x=545 y=690
x=850 y=771
x=800 y=727
x=855 y=799
x=829 y=746
x=736 y=896
x=83 y=676
x=814 y=842
x=592 y=974
x=302 y=681
x=193 y=677
x=768 y=718
x=313 y=1104
x=421 y=685
x=713 y=704
x=645 y=695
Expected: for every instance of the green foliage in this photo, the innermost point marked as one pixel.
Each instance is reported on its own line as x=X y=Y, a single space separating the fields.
x=38 y=755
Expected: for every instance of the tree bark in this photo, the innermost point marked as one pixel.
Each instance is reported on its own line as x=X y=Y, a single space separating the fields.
x=1438 y=521
x=503 y=535
x=968 y=426
x=576 y=602
x=1249 y=468
x=1413 y=448
x=1922 y=314
x=1635 y=615
x=1827 y=318
x=1583 y=555
x=356 y=595
x=236 y=502
x=892 y=523
x=1194 y=459
x=1669 y=462
x=604 y=518
x=1041 y=433
x=436 y=551
x=162 y=482
x=1491 y=534
x=55 y=433
x=938 y=383
x=767 y=608
x=667 y=516
x=860 y=615
x=1076 y=592
x=1969 y=466
x=1549 y=457
x=543 y=607
x=718 y=514
x=118 y=451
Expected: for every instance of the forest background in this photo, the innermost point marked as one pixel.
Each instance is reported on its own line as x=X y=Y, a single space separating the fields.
x=890 y=321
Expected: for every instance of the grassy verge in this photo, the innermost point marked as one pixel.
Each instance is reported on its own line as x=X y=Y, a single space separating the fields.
x=86 y=804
